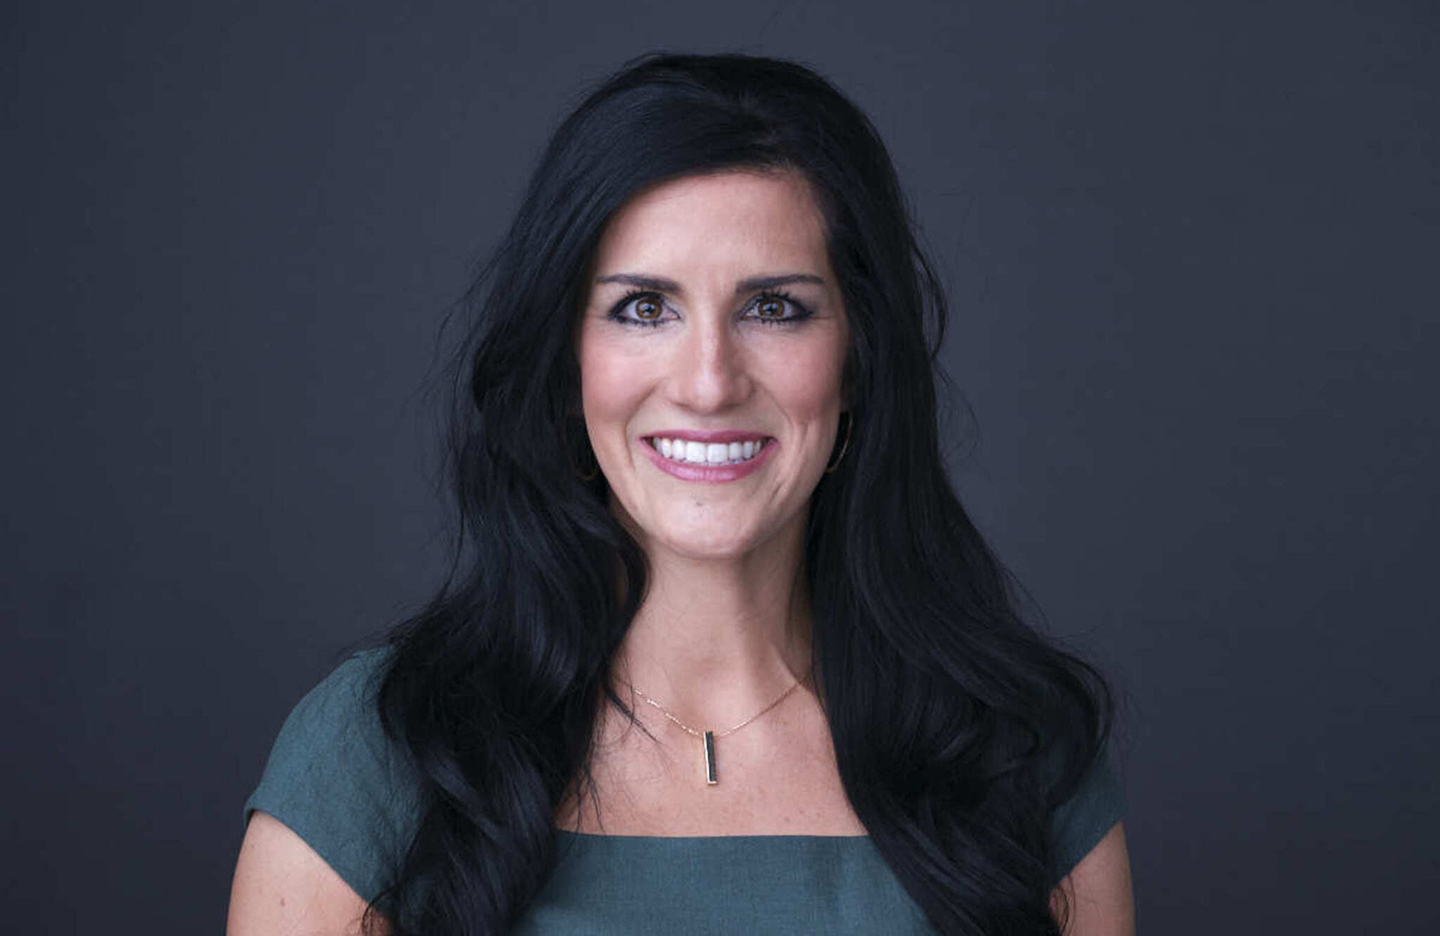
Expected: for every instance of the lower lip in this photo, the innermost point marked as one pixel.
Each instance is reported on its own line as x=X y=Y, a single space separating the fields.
x=713 y=474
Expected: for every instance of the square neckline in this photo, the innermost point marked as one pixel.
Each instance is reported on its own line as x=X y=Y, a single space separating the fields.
x=773 y=837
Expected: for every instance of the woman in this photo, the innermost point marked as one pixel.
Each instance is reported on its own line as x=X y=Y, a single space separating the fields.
x=724 y=652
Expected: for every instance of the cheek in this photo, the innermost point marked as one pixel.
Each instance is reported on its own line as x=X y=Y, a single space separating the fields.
x=610 y=389
x=808 y=380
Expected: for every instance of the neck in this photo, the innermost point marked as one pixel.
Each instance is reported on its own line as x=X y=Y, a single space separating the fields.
x=717 y=639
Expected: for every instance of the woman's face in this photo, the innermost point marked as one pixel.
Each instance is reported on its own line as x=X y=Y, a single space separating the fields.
x=711 y=347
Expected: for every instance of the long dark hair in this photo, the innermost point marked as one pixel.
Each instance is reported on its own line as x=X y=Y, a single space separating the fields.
x=957 y=729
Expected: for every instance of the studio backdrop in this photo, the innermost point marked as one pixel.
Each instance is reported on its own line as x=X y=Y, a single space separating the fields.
x=1189 y=249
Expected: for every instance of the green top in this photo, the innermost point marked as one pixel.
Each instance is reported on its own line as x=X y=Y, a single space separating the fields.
x=336 y=782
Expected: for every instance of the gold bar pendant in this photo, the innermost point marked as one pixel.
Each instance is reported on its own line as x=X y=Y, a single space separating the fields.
x=711 y=777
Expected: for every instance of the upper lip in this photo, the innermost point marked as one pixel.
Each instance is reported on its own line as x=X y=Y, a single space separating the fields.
x=714 y=435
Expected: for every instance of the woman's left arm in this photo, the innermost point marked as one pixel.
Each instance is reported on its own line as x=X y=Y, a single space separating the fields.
x=1097 y=891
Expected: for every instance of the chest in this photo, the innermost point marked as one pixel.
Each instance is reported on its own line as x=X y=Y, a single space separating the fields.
x=779 y=778
x=738 y=884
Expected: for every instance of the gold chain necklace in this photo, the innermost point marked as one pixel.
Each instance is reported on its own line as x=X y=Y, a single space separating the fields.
x=707 y=738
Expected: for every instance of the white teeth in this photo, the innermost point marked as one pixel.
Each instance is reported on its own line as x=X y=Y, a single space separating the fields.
x=700 y=453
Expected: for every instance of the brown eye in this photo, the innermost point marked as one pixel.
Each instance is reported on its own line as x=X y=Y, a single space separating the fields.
x=770 y=308
x=776 y=309
x=641 y=309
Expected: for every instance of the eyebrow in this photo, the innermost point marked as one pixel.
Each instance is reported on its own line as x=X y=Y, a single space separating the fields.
x=753 y=284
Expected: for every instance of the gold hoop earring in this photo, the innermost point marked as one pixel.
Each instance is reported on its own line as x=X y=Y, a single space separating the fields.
x=844 y=446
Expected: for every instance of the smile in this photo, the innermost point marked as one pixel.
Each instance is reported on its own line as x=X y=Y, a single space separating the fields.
x=689 y=452
x=709 y=457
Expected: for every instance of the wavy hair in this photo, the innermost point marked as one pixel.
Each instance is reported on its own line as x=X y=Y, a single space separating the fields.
x=957 y=729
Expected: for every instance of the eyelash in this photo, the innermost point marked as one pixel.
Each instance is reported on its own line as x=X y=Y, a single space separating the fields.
x=801 y=311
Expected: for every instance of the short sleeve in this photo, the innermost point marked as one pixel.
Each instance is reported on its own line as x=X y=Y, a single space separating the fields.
x=335 y=781
x=1082 y=821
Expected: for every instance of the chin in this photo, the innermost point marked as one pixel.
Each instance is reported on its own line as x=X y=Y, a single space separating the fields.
x=695 y=544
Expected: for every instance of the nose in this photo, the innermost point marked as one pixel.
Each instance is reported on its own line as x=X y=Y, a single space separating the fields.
x=710 y=372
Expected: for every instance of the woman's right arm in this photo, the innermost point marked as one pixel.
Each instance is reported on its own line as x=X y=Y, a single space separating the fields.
x=282 y=888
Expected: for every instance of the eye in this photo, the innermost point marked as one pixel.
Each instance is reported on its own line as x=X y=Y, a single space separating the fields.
x=777 y=308
x=770 y=308
x=639 y=309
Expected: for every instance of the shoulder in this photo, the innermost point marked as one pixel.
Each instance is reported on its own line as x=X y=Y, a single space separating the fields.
x=340 y=709
x=1082 y=821
x=1095 y=898
x=335 y=780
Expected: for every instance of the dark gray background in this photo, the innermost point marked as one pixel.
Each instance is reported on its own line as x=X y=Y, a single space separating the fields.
x=1190 y=249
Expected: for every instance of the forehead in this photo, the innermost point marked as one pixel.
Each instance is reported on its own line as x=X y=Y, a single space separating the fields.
x=736 y=219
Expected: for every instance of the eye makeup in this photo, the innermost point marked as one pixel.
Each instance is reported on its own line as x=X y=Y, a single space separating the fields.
x=625 y=310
